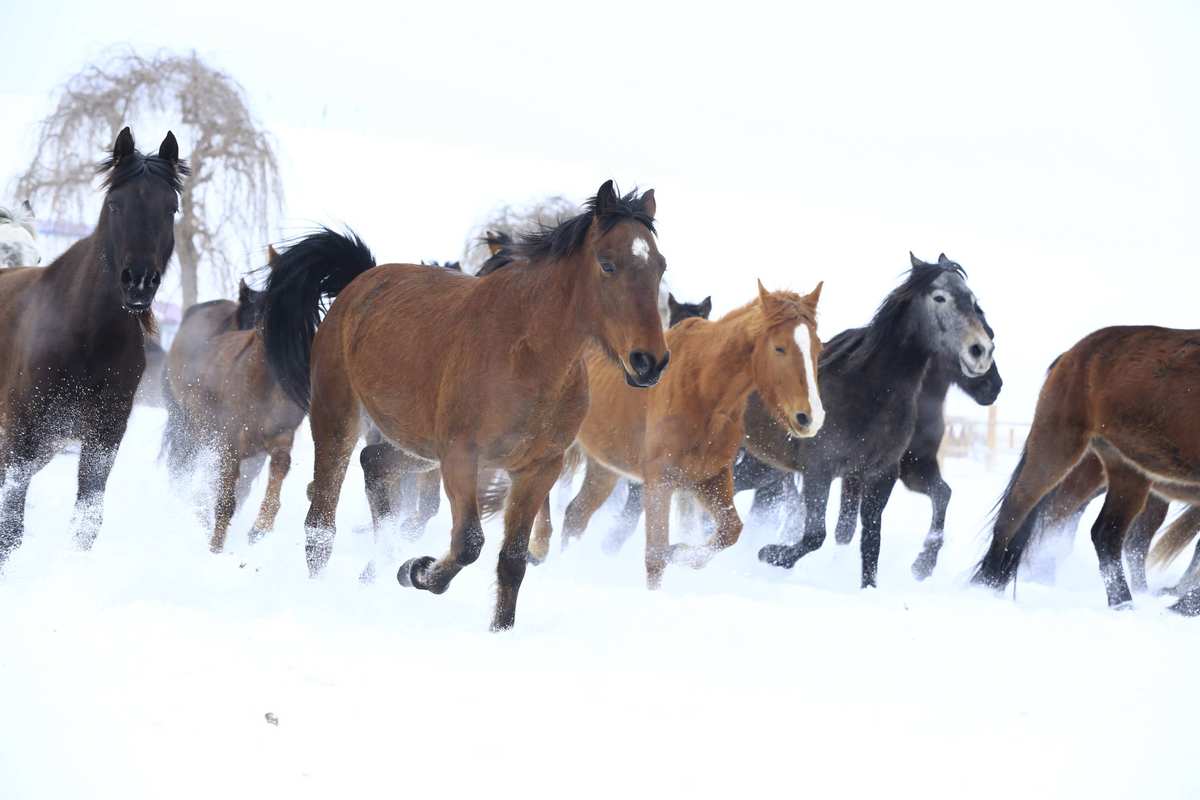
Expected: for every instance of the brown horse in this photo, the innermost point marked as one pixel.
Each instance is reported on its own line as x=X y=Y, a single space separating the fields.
x=222 y=399
x=769 y=346
x=1124 y=395
x=463 y=372
x=72 y=337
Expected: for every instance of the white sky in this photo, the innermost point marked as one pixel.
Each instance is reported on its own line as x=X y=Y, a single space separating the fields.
x=1051 y=148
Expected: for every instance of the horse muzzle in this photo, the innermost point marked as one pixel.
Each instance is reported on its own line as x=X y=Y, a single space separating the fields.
x=644 y=370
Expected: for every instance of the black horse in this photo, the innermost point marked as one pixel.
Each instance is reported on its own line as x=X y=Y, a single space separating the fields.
x=919 y=469
x=72 y=337
x=871 y=381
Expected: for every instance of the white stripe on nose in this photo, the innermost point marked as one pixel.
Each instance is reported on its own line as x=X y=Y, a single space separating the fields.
x=804 y=342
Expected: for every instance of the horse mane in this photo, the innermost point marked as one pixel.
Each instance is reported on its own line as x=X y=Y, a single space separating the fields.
x=786 y=308
x=118 y=173
x=567 y=237
x=856 y=346
x=503 y=255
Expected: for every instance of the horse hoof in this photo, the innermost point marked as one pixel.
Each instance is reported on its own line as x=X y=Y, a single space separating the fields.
x=367 y=576
x=410 y=572
x=843 y=538
x=256 y=534
x=1187 y=606
x=777 y=555
x=530 y=558
x=922 y=569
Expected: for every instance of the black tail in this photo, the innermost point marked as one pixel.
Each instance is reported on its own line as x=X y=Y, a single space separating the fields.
x=315 y=267
x=998 y=567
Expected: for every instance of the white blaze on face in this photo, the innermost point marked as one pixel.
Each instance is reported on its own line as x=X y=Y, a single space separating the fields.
x=640 y=249
x=804 y=342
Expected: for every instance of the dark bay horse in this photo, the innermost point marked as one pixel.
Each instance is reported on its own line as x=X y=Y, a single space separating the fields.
x=72 y=337
x=462 y=372
x=871 y=380
x=1122 y=395
x=222 y=399
x=770 y=347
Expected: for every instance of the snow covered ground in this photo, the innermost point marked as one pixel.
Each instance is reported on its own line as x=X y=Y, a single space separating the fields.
x=146 y=668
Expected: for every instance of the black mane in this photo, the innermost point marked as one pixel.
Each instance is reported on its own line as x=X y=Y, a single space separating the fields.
x=117 y=174
x=856 y=346
x=566 y=238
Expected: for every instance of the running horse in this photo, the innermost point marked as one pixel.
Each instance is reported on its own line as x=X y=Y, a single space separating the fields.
x=768 y=346
x=462 y=372
x=72 y=336
x=222 y=399
x=1123 y=396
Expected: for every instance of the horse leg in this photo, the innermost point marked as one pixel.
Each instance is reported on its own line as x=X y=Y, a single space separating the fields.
x=923 y=475
x=460 y=473
x=280 y=449
x=627 y=521
x=792 y=500
x=1127 y=493
x=658 y=533
x=852 y=490
x=816 y=499
x=100 y=440
x=543 y=529
x=875 y=499
x=247 y=474
x=380 y=462
x=1137 y=541
x=716 y=495
x=21 y=463
x=598 y=483
x=428 y=489
x=529 y=495
x=227 y=477
x=335 y=422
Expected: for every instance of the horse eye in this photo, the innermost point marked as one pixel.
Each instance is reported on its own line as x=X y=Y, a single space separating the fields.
x=780 y=350
x=608 y=267
x=939 y=298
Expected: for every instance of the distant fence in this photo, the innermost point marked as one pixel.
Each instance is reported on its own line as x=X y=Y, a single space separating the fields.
x=983 y=440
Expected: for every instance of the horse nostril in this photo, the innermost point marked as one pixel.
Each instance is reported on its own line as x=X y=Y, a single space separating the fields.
x=641 y=362
x=802 y=419
x=976 y=351
x=127 y=277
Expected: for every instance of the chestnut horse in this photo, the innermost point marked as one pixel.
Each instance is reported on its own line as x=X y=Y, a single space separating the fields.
x=463 y=372
x=1122 y=394
x=222 y=399
x=769 y=346
x=72 y=337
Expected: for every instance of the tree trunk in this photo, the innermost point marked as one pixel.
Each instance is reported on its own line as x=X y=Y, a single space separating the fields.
x=185 y=248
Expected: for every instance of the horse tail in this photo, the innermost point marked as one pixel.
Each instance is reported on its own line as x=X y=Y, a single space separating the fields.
x=314 y=268
x=1175 y=538
x=999 y=566
x=494 y=484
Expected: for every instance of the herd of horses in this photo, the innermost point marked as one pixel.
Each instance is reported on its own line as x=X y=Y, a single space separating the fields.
x=564 y=350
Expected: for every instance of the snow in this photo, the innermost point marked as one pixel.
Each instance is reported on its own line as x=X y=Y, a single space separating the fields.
x=146 y=667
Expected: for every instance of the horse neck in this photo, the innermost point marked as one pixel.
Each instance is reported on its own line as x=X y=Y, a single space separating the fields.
x=899 y=367
x=552 y=298
x=936 y=385
x=724 y=362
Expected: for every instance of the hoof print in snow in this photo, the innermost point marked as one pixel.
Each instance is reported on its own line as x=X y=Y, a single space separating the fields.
x=271 y=718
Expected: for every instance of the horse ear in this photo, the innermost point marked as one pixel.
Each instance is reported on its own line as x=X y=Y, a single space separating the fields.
x=124 y=146
x=243 y=292
x=272 y=256
x=648 y=202
x=706 y=307
x=27 y=210
x=916 y=262
x=763 y=294
x=494 y=242
x=606 y=198
x=672 y=303
x=813 y=297
x=169 y=149
x=942 y=259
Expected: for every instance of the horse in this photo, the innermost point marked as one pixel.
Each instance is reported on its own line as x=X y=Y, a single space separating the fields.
x=222 y=399
x=72 y=334
x=871 y=380
x=18 y=237
x=919 y=468
x=462 y=372
x=1122 y=395
x=770 y=347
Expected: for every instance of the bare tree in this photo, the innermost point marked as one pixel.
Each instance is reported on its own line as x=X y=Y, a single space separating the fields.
x=234 y=193
x=514 y=220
